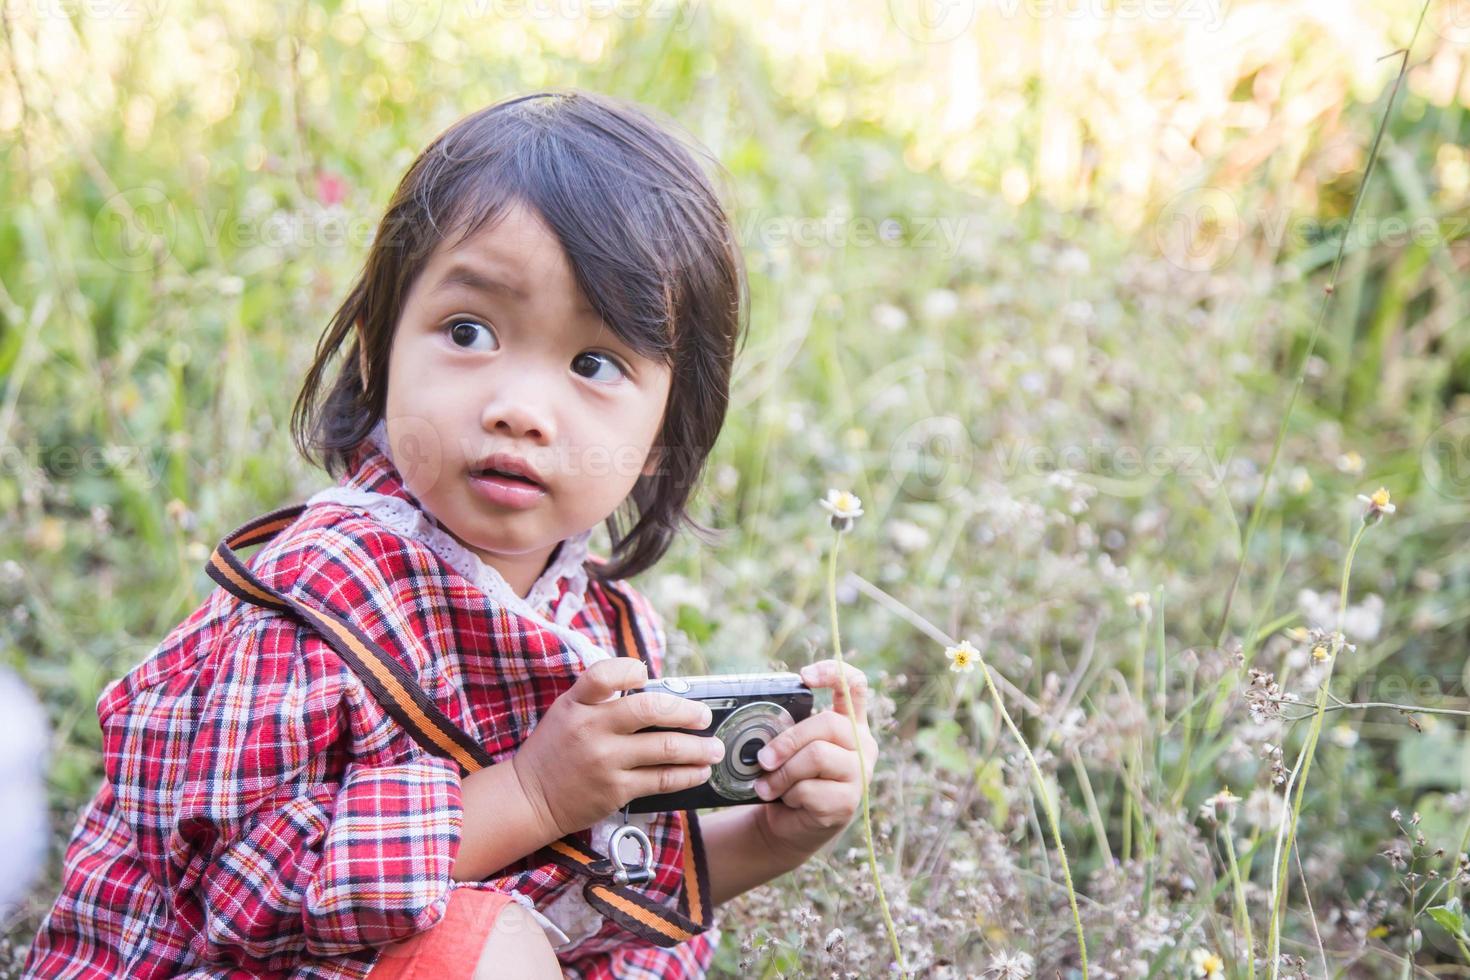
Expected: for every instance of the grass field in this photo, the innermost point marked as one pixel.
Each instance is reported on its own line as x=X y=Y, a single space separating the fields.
x=1041 y=283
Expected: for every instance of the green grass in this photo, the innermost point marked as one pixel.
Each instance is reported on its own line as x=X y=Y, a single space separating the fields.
x=943 y=381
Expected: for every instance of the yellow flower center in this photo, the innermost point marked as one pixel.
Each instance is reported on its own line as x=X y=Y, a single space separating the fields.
x=1380 y=497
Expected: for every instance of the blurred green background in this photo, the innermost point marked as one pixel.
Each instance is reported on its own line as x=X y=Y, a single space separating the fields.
x=1033 y=279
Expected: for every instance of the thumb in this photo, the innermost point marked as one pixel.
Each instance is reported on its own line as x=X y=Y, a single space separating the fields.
x=607 y=678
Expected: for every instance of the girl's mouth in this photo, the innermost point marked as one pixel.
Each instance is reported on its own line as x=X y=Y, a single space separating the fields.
x=506 y=490
x=503 y=475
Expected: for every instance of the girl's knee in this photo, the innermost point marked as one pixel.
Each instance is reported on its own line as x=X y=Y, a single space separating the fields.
x=517 y=947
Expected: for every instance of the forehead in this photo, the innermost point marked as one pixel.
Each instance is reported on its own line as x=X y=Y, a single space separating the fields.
x=515 y=242
x=514 y=256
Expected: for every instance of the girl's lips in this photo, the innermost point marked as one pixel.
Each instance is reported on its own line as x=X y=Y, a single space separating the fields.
x=506 y=492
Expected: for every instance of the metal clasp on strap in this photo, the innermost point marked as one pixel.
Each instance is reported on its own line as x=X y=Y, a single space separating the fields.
x=642 y=871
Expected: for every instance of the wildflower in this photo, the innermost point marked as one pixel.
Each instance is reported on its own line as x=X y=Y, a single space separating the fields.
x=962 y=657
x=1263 y=696
x=844 y=507
x=889 y=317
x=1139 y=603
x=1299 y=482
x=1378 y=505
x=907 y=536
x=939 y=304
x=1207 y=965
x=1010 y=966
x=1350 y=462
x=1344 y=735
x=1263 y=808
x=180 y=514
x=1221 y=805
x=1320 y=653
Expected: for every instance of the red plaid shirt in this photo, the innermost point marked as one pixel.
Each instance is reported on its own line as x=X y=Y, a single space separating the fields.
x=262 y=815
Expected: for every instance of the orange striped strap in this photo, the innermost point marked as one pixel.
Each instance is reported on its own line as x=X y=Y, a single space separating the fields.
x=398 y=691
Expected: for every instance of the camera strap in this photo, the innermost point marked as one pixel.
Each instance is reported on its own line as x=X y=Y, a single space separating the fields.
x=395 y=688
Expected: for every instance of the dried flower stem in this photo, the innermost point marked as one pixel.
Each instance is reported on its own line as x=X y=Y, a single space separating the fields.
x=1047 y=805
x=1242 y=911
x=1286 y=831
x=1135 y=756
x=857 y=741
x=1301 y=375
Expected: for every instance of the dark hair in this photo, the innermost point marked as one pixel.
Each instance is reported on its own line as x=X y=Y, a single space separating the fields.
x=649 y=242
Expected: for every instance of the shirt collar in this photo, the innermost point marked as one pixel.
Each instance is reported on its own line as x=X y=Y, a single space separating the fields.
x=373 y=472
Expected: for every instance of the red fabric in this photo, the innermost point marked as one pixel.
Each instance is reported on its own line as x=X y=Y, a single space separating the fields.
x=263 y=816
x=450 y=949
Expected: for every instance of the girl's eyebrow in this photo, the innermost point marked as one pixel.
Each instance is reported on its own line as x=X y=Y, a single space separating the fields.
x=460 y=274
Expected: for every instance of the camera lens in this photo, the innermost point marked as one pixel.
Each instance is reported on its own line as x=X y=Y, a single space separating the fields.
x=745 y=731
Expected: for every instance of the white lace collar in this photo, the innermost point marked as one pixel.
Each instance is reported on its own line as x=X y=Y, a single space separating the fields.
x=413 y=522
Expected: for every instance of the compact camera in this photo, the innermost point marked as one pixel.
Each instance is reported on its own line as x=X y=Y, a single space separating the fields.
x=748 y=711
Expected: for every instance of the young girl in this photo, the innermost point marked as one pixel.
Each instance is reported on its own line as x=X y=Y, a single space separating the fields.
x=543 y=337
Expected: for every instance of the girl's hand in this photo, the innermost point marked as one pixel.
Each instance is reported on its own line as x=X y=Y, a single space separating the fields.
x=812 y=767
x=585 y=758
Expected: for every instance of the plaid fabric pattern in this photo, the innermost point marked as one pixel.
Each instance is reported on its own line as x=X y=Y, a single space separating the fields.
x=262 y=815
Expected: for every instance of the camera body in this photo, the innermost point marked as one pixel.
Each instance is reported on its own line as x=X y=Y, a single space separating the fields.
x=748 y=710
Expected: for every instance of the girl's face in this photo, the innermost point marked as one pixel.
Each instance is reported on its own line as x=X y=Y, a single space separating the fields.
x=497 y=351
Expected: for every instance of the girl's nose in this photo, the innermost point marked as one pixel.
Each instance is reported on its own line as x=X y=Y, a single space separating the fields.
x=522 y=409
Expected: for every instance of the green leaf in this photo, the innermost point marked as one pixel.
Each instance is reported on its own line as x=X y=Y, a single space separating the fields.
x=1449 y=917
x=941 y=743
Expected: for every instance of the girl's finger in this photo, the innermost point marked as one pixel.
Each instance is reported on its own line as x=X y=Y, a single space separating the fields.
x=607 y=678
x=667 y=749
x=817 y=760
x=824 y=673
x=828 y=800
x=650 y=780
x=826 y=726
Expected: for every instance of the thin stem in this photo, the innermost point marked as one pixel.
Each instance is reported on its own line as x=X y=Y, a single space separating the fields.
x=857 y=741
x=1135 y=754
x=1241 y=909
x=1046 y=804
x=1293 y=814
x=1301 y=375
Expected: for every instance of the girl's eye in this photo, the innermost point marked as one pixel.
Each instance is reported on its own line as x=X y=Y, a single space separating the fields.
x=462 y=334
x=594 y=360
